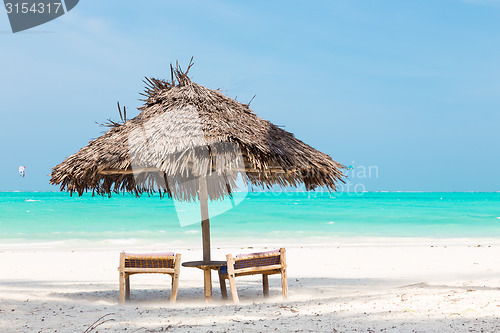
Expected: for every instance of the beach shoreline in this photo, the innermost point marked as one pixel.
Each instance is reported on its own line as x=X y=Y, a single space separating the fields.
x=394 y=285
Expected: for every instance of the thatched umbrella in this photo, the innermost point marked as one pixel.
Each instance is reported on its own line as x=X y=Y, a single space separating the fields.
x=191 y=143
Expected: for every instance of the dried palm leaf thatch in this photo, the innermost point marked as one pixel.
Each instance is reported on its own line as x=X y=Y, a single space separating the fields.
x=185 y=132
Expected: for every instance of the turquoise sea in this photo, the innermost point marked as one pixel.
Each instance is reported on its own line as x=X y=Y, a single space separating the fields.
x=50 y=216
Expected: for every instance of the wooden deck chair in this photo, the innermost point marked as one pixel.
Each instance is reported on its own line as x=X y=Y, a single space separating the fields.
x=163 y=263
x=265 y=263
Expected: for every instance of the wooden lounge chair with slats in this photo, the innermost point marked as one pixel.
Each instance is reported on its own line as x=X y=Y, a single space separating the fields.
x=163 y=263
x=265 y=263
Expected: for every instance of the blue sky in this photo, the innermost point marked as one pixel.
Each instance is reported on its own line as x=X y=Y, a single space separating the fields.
x=409 y=87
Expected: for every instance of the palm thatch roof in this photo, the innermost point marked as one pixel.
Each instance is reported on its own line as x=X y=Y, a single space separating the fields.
x=185 y=131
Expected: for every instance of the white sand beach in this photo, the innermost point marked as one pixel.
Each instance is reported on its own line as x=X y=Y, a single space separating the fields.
x=365 y=285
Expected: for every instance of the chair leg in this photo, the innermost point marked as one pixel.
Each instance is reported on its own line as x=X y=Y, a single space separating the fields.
x=223 y=290
x=284 y=283
x=122 y=286
x=231 y=278
x=175 y=278
x=234 y=292
x=121 y=278
x=175 y=288
x=127 y=286
x=265 y=285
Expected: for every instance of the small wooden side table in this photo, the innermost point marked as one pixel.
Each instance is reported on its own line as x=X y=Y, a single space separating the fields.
x=207 y=267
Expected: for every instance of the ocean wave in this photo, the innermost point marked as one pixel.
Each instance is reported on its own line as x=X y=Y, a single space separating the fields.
x=122 y=241
x=30 y=245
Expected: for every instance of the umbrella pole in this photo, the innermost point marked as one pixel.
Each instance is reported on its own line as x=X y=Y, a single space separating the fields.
x=205 y=222
x=205 y=230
